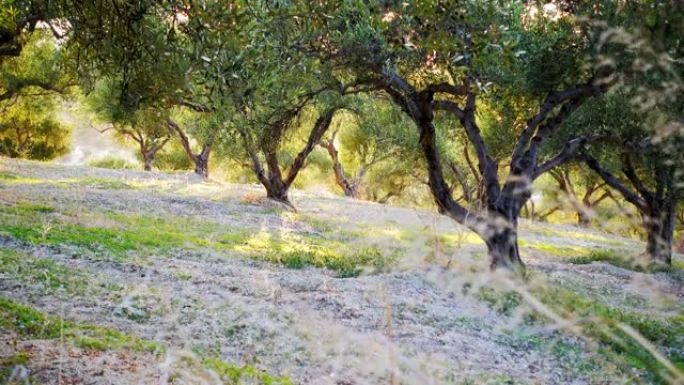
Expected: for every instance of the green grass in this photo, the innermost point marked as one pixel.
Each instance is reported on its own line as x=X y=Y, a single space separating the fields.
x=144 y=235
x=561 y=251
x=295 y=251
x=96 y=182
x=113 y=241
x=8 y=364
x=248 y=374
x=12 y=178
x=573 y=356
x=32 y=324
x=601 y=321
x=292 y=251
x=584 y=235
x=610 y=256
x=51 y=274
x=503 y=302
x=33 y=208
x=114 y=163
x=622 y=259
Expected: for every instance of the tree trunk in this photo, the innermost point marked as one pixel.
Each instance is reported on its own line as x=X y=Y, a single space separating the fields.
x=202 y=167
x=660 y=228
x=583 y=218
x=498 y=229
x=202 y=162
x=276 y=188
x=277 y=191
x=148 y=159
x=338 y=169
x=503 y=249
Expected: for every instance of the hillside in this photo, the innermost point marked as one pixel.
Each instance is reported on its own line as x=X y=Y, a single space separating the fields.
x=119 y=276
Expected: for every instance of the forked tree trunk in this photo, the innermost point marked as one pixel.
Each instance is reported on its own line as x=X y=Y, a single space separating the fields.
x=273 y=181
x=657 y=206
x=525 y=167
x=278 y=192
x=499 y=231
x=201 y=161
x=338 y=169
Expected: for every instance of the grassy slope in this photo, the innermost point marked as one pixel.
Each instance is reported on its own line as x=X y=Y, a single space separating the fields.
x=357 y=241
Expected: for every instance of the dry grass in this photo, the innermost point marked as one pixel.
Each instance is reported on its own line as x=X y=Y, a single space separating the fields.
x=428 y=311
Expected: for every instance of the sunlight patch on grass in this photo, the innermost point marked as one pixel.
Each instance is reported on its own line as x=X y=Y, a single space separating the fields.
x=561 y=251
x=142 y=234
x=95 y=182
x=541 y=229
x=296 y=251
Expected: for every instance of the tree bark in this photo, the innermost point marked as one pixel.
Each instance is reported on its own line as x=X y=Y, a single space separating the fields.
x=498 y=224
x=202 y=167
x=350 y=189
x=148 y=160
x=202 y=162
x=660 y=231
x=271 y=177
x=657 y=206
x=503 y=248
x=201 y=159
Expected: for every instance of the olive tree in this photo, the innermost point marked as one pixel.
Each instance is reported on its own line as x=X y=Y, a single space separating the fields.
x=436 y=58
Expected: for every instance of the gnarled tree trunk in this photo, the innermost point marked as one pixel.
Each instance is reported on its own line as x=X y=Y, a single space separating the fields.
x=272 y=179
x=498 y=224
x=659 y=226
x=202 y=162
x=503 y=249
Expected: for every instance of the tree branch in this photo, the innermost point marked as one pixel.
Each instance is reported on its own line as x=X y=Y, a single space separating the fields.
x=320 y=127
x=570 y=149
x=630 y=173
x=449 y=106
x=185 y=142
x=613 y=182
x=573 y=95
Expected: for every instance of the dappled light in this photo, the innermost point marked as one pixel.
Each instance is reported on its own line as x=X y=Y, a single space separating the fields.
x=341 y=192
